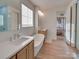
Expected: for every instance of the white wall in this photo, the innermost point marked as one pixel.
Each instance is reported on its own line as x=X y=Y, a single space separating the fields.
x=49 y=22
x=36 y=19
x=67 y=14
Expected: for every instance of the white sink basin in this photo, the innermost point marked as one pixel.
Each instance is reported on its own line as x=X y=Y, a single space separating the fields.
x=20 y=41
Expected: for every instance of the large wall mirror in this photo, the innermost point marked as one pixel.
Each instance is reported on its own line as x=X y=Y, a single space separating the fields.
x=3 y=19
x=9 y=15
x=9 y=18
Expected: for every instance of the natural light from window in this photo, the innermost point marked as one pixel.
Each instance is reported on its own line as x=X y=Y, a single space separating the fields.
x=27 y=16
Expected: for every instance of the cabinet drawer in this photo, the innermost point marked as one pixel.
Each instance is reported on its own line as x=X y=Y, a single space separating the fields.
x=14 y=57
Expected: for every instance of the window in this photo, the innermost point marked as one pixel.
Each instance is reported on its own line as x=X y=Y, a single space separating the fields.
x=27 y=16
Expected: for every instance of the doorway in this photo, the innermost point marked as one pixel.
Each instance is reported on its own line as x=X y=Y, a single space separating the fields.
x=61 y=26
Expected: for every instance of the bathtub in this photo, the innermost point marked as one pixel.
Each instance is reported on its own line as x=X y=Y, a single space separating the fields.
x=38 y=43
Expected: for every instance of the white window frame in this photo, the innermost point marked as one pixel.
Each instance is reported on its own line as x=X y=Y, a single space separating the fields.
x=27 y=16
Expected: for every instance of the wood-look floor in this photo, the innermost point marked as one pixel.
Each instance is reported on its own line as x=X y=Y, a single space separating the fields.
x=56 y=50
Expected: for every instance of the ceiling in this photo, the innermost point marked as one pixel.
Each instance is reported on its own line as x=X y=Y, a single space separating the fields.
x=42 y=4
x=48 y=4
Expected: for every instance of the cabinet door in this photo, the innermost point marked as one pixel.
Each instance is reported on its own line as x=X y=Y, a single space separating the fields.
x=22 y=54
x=31 y=50
x=14 y=57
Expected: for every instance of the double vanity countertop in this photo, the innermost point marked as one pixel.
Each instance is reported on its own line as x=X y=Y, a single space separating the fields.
x=10 y=48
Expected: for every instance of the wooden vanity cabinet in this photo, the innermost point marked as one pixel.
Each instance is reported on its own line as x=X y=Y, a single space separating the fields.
x=26 y=53
x=22 y=54
x=30 y=50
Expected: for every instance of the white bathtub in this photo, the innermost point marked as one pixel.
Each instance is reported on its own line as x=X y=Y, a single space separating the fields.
x=38 y=43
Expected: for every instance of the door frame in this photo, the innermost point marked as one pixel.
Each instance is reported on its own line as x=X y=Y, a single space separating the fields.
x=76 y=26
x=70 y=24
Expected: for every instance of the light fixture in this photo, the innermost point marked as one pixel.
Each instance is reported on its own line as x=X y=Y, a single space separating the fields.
x=40 y=13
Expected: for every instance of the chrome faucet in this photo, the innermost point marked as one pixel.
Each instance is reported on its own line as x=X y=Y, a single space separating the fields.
x=13 y=37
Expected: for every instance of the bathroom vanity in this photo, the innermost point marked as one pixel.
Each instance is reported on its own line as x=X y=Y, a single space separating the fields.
x=26 y=52
x=43 y=31
x=19 y=49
